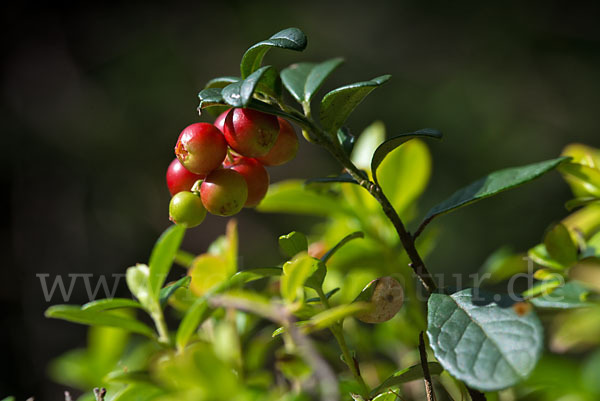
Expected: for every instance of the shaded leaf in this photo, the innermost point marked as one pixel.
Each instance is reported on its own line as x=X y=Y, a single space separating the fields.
x=239 y=94
x=338 y=104
x=409 y=374
x=290 y=38
x=346 y=139
x=303 y=80
x=74 y=313
x=328 y=295
x=344 y=178
x=221 y=82
x=341 y=243
x=169 y=290
x=210 y=97
x=479 y=339
x=386 y=147
x=491 y=185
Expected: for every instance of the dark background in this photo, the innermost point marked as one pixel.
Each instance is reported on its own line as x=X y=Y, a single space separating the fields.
x=94 y=97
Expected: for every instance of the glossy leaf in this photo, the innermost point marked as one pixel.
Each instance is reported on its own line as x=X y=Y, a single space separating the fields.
x=409 y=374
x=569 y=296
x=560 y=245
x=290 y=38
x=169 y=290
x=480 y=339
x=346 y=139
x=239 y=94
x=490 y=185
x=221 y=82
x=303 y=80
x=338 y=104
x=210 y=97
x=162 y=257
x=389 y=145
x=74 y=313
x=291 y=197
x=293 y=243
x=112 y=303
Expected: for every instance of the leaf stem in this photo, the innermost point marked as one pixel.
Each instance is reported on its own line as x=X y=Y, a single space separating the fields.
x=161 y=326
x=338 y=333
x=425 y=366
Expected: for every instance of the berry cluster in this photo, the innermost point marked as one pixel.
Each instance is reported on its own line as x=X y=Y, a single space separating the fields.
x=220 y=167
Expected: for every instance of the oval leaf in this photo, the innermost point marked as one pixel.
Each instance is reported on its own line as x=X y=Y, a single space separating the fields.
x=162 y=257
x=74 y=313
x=290 y=38
x=293 y=243
x=221 y=82
x=210 y=97
x=481 y=340
x=338 y=104
x=239 y=94
x=113 y=303
x=490 y=185
x=392 y=143
x=303 y=80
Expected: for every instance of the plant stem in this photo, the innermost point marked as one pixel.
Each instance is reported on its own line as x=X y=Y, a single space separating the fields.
x=161 y=326
x=338 y=333
x=425 y=366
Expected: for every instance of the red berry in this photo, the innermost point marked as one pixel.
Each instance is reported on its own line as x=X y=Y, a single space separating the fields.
x=179 y=178
x=201 y=148
x=220 y=121
x=285 y=147
x=251 y=133
x=186 y=208
x=256 y=176
x=224 y=192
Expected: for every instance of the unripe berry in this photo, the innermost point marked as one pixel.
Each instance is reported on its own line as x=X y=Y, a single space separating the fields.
x=285 y=147
x=224 y=192
x=256 y=176
x=251 y=133
x=220 y=120
x=201 y=148
x=186 y=208
x=386 y=298
x=179 y=178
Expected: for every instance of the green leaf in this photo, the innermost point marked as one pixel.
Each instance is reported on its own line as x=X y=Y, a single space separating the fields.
x=138 y=392
x=341 y=243
x=295 y=274
x=386 y=147
x=239 y=94
x=569 y=296
x=560 y=245
x=122 y=376
x=491 y=185
x=195 y=315
x=169 y=290
x=290 y=38
x=338 y=104
x=333 y=315
x=580 y=202
x=545 y=286
x=221 y=82
x=584 y=180
x=291 y=196
x=539 y=254
x=138 y=281
x=409 y=374
x=479 y=339
x=343 y=178
x=184 y=258
x=74 y=313
x=162 y=257
x=383 y=397
x=10 y=398
x=303 y=80
x=293 y=243
x=346 y=139
x=210 y=97
x=367 y=143
x=112 y=303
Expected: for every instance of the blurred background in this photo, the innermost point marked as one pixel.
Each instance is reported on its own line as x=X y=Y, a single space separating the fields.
x=94 y=97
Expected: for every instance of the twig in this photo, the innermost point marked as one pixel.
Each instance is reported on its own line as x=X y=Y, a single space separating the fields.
x=425 y=366
x=99 y=393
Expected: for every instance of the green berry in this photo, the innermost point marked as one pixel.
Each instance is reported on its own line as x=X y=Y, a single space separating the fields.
x=186 y=208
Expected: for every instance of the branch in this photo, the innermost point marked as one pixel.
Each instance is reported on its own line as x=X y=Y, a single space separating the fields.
x=425 y=366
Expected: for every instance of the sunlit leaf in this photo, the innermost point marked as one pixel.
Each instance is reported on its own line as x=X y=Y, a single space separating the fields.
x=560 y=245
x=365 y=146
x=293 y=243
x=112 y=303
x=162 y=257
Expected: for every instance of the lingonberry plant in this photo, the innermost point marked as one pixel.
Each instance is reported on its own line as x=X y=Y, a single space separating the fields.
x=268 y=333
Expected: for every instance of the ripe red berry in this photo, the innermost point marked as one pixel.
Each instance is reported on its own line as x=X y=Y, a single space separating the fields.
x=201 y=148
x=179 y=178
x=224 y=192
x=256 y=176
x=251 y=133
x=220 y=121
x=285 y=147
x=186 y=208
